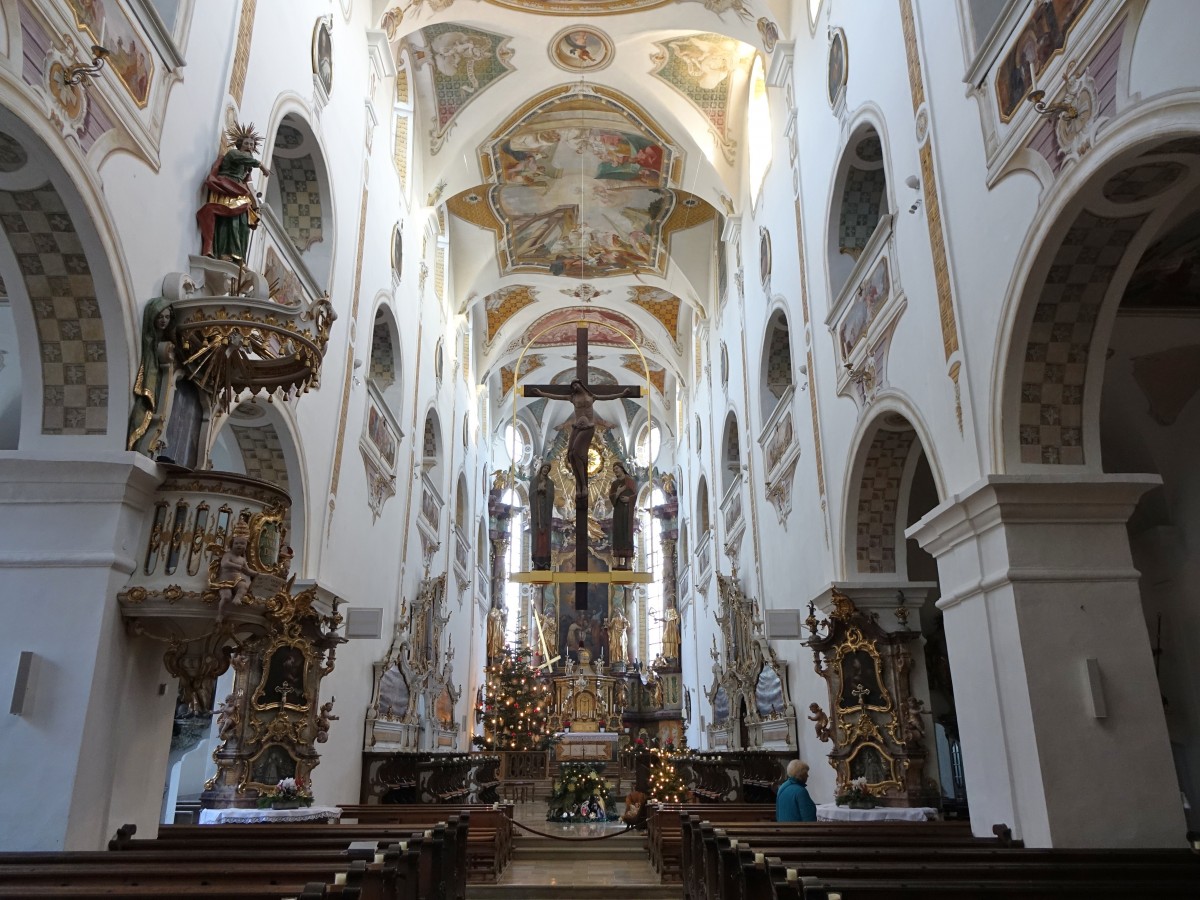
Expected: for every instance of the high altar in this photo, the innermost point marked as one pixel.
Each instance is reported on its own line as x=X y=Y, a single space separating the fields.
x=585 y=700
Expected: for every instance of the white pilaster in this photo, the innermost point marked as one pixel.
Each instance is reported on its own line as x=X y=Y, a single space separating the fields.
x=88 y=750
x=1037 y=579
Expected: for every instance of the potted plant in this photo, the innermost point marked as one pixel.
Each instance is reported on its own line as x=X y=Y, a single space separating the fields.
x=290 y=793
x=857 y=795
x=566 y=726
x=603 y=726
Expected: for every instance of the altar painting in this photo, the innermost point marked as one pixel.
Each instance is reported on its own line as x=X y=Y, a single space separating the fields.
x=583 y=190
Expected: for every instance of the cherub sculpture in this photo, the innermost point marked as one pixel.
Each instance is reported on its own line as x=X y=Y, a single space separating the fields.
x=229 y=719
x=821 y=722
x=324 y=717
x=233 y=572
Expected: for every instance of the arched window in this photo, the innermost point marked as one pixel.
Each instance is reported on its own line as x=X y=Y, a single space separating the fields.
x=299 y=196
x=650 y=560
x=518 y=443
x=776 y=363
x=647 y=445
x=731 y=453
x=758 y=128
x=383 y=371
x=859 y=205
x=702 y=519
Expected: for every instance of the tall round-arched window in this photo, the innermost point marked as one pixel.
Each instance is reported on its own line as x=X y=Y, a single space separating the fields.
x=647 y=445
x=758 y=128
x=650 y=553
x=518 y=443
x=515 y=628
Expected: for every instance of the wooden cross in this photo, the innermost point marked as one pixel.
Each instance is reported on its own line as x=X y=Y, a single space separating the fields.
x=582 y=430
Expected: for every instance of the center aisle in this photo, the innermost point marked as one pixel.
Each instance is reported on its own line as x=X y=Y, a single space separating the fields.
x=543 y=868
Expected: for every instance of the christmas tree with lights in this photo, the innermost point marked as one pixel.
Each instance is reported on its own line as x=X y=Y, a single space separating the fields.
x=666 y=784
x=513 y=708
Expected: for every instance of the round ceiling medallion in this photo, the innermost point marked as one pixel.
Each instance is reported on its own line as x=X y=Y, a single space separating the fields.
x=581 y=49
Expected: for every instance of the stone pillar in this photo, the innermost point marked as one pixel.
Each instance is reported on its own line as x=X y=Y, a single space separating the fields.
x=1059 y=710
x=668 y=514
x=89 y=750
x=499 y=519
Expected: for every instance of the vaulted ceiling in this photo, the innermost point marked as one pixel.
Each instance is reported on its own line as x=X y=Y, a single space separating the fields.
x=583 y=153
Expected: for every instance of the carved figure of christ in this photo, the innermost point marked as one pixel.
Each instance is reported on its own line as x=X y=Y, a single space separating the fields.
x=583 y=396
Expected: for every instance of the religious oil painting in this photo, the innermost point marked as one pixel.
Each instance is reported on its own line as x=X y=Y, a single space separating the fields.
x=397 y=252
x=860 y=682
x=381 y=434
x=107 y=24
x=581 y=50
x=868 y=299
x=322 y=55
x=283 y=681
x=838 y=65
x=273 y=764
x=463 y=62
x=393 y=694
x=583 y=188
x=1042 y=38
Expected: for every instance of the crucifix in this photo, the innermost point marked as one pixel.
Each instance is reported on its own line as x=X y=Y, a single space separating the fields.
x=583 y=396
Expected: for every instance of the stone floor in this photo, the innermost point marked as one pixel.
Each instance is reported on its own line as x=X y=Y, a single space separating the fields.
x=545 y=867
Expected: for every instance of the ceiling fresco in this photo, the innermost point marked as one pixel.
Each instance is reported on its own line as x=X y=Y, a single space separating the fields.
x=503 y=304
x=658 y=377
x=582 y=187
x=578 y=7
x=594 y=375
x=508 y=374
x=661 y=304
x=463 y=62
x=605 y=329
x=705 y=69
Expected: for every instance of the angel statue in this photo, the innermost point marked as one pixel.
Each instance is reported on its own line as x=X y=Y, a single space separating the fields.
x=231 y=211
x=821 y=722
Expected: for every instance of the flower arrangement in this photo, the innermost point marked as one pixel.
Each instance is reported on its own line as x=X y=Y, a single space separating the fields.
x=566 y=725
x=290 y=792
x=603 y=725
x=856 y=795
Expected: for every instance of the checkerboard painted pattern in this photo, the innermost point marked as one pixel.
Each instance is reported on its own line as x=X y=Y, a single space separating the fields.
x=70 y=330
x=779 y=359
x=1060 y=337
x=1142 y=182
x=861 y=204
x=301 y=194
x=383 y=363
x=878 y=496
x=503 y=304
x=262 y=455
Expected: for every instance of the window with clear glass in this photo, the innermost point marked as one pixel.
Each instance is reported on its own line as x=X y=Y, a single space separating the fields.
x=646 y=447
x=518 y=443
x=651 y=561
x=515 y=559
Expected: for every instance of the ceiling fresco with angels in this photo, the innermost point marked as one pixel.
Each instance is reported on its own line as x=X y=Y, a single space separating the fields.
x=583 y=162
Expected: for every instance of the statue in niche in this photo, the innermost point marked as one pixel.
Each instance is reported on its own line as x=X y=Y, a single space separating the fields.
x=324 y=717
x=622 y=494
x=232 y=208
x=495 y=632
x=541 y=516
x=868 y=763
x=273 y=766
x=155 y=376
x=233 y=572
x=671 y=641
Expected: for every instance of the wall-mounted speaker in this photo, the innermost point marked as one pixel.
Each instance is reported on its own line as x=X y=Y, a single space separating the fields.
x=364 y=622
x=21 y=689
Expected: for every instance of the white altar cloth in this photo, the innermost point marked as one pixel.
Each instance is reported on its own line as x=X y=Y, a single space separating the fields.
x=244 y=816
x=831 y=812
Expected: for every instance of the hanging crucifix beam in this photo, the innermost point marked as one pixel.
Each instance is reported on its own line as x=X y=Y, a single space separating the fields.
x=583 y=396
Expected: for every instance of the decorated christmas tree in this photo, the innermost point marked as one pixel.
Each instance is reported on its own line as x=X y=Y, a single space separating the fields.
x=513 y=708
x=666 y=784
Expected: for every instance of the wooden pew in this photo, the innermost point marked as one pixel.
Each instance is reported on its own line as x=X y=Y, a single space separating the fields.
x=740 y=862
x=663 y=831
x=489 y=838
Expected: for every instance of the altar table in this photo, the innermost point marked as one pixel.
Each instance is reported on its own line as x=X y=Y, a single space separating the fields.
x=244 y=816
x=587 y=747
x=831 y=812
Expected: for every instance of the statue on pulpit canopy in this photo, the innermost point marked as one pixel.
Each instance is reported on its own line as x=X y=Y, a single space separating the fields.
x=231 y=209
x=622 y=494
x=155 y=376
x=541 y=516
